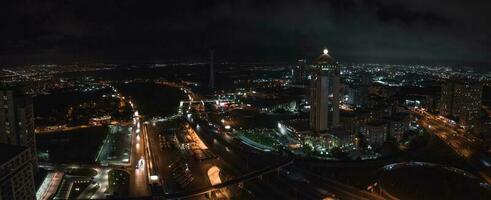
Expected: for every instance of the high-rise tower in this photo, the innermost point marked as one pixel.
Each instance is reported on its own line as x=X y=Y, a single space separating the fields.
x=324 y=94
x=298 y=71
x=17 y=119
x=461 y=100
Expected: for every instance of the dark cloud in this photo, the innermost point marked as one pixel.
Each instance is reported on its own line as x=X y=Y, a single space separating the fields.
x=441 y=31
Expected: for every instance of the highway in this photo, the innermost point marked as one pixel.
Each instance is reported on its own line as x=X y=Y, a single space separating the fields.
x=464 y=145
x=139 y=185
x=340 y=189
x=251 y=175
x=248 y=160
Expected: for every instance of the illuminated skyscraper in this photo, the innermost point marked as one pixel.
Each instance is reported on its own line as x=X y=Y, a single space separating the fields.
x=319 y=101
x=324 y=94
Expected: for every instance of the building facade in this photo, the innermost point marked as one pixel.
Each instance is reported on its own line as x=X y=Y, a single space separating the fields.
x=16 y=173
x=399 y=125
x=298 y=72
x=324 y=94
x=319 y=107
x=461 y=100
x=355 y=121
x=376 y=133
x=357 y=95
x=17 y=119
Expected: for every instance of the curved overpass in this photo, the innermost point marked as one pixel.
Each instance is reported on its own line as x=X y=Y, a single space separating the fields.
x=243 y=178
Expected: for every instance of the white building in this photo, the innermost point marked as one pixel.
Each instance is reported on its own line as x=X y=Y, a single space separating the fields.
x=325 y=94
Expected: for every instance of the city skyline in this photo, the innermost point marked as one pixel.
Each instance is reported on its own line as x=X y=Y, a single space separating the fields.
x=220 y=130
x=246 y=99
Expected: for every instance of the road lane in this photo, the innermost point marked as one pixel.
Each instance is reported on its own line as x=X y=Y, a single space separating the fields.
x=463 y=144
x=139 y=186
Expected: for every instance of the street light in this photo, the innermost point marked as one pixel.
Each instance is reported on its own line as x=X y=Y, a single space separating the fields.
x=154 y=177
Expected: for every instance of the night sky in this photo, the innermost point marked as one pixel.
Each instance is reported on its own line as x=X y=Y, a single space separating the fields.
x=385 y=31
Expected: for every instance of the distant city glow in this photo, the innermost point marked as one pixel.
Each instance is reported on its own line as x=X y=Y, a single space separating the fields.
x=307 y=125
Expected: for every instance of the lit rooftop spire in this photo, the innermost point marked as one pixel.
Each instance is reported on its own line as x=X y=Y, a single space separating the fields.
x=325 y=58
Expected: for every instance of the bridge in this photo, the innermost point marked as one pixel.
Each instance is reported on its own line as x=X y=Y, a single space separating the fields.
x=206 y=101
x=238 y=180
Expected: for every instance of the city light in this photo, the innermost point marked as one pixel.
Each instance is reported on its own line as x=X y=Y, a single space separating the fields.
x=154 y=177
x=229 y=111
x=141 y=164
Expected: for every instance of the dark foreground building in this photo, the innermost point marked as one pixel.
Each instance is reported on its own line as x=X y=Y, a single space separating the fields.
x=17 y=119
x=16 y=173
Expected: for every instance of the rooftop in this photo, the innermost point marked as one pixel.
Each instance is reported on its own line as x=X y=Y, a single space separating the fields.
x=325 y=58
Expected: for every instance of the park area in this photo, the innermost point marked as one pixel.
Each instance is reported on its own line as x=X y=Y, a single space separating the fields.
x=262 y=139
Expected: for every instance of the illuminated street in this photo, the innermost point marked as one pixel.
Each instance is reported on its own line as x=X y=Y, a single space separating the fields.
x=139 y=175
x=102 y=184
x=462 y=145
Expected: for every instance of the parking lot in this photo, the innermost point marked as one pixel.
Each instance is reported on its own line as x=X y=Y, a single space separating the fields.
x=183 y=159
